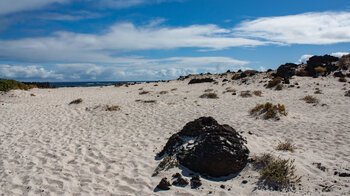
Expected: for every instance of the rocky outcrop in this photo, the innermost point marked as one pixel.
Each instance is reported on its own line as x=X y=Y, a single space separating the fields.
x=327 y=62
x=201 y=80
x=206 y=147
x=286 y=71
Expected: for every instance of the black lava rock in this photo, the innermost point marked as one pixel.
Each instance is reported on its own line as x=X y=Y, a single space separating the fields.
x=195 y=182
x=164 y=184
x=325 y=61
x=202 y=80
x=180 y=181
x=286 y=71
x=206 y=147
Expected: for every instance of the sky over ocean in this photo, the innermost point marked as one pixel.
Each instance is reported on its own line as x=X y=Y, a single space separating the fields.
x=138 y=40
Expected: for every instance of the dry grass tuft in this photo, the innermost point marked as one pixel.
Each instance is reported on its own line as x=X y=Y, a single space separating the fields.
x=163 y=92
x=274 y=82
x=279 y=87
x=268 y=110
x=33 y=95
x=310 y=99
x=173 y=89
x=143 y=92
x=209 y=90
x=246 y=94
x=209 y=96
x=77 y=101
x=257 y=93
x=112 y=108
x=286 y=146
x=318 y=91
x=342 y=79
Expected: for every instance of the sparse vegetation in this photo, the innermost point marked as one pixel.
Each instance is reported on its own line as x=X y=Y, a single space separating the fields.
x=320 y=69
x=318 y=91
x=279 y=87
x=112 y=108
x=274 y=82
x=246 y=94
x=347 y=93
x=166 y=164
x=302 y=72
x=143 y=92
x=310 y=99
x=257 y=93
x=7 y=85
x=149 y=101
x=286 y=146
x=163 y=92
x=33 y=95
x=229 y=90
x=209 y=90
x=268 y=110
x=342 y=79
x=279 y=174
x=209 y=96
x=77 y=101
x=173 y=89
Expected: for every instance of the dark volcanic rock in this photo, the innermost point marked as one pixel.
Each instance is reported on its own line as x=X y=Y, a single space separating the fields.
x=206 y=147
x=325 y=61
x=338 y=74
x=164 y=184
x=195 y=182
x=194 y=81
x=180 y=181
x=286 y=71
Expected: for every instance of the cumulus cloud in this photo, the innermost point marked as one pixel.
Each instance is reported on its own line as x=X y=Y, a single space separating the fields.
x=339 y=54
x=308 y=28
x=11 y=6
x=132 y=68
x=305 y=58
x=102 y=48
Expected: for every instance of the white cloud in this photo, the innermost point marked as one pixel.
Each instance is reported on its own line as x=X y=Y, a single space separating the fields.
x=11 y=6
x=339 y=54
x=308 y=28
x=132 y=68
x=102 y=48
x=305 y=58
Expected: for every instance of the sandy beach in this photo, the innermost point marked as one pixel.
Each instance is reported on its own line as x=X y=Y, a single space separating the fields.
x=48 y=147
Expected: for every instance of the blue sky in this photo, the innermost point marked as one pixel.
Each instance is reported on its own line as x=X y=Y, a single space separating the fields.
x=115 y=40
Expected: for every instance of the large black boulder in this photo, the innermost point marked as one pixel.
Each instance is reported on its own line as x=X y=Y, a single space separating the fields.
x=206 y=147
x=286 y=71
x=325 y=61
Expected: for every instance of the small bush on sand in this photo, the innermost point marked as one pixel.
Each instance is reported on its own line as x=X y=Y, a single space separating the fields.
x=112 y=108
x=33 y=95
x=279 y=87
x=286 y=146
x=320 y=69
x=229 y=90
x=143 y=92
x=302 y=72
x=209 y=90
x=209 y=96
x=77 y=101
x=246 y=94
x=279 y=174
x=257 y=93
x=140 y=89
x=274 y=82
x=149 y=101
x=342 y=79
x=318 y=91
x=7 y=85
x=163 y=92
x=268 y=110
x=173 y=89
x=310 y=99
x=347 y=93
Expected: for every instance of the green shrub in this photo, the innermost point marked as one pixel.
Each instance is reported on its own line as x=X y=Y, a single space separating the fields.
x=274 y=82
x=318 y=91
x=209 y=96
x=7 y=85
x=310 y=99
x=279 y=174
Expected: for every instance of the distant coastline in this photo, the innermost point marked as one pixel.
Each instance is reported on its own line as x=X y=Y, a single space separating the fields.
x=80 y=84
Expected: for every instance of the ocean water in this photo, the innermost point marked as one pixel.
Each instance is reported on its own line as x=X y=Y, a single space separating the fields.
x=87 y=84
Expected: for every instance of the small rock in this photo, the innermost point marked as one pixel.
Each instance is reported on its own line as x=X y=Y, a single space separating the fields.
x=222 y=186
x=180 y=181
x=195 y=182
x=164 y=184
x=244 y=182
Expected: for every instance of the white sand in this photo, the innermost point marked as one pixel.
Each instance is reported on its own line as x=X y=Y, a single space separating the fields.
x=49 y=147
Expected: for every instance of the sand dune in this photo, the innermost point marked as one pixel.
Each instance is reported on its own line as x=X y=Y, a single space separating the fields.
x=49 y=147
